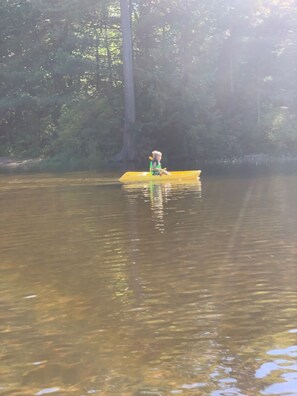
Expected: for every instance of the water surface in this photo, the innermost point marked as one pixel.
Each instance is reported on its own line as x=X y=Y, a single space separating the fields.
x=149 y=289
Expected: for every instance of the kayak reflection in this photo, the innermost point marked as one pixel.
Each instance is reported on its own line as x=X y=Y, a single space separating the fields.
x=159 y=194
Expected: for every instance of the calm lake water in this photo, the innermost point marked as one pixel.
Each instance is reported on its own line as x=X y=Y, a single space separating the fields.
x=162 y=289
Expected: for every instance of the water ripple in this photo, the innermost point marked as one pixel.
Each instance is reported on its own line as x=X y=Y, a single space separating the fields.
x=169 y=288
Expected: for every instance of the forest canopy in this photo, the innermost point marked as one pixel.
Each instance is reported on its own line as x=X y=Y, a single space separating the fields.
x=213 y=79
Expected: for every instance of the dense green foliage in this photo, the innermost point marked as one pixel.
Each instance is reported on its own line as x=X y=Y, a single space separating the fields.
x=213 y=79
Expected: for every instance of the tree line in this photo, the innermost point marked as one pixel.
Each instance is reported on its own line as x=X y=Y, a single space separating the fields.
x=212 y=79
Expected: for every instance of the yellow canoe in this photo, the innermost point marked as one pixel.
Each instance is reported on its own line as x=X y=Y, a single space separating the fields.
x=132 y=177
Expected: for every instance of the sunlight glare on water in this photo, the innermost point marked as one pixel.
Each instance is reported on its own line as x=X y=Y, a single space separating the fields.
x=159 y=289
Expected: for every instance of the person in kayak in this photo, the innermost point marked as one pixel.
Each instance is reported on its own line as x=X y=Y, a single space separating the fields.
x=155 y=164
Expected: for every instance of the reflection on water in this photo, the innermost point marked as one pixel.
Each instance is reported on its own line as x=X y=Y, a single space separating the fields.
x=159 y=193
x=149 y=289
x=287 y=370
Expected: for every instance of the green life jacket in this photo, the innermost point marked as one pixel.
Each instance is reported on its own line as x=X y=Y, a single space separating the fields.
x=154 y=166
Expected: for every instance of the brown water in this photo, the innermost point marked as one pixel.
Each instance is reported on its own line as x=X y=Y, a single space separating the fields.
x=148 y=289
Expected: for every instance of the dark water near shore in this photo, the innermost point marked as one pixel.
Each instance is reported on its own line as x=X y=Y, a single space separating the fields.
x=148 y=289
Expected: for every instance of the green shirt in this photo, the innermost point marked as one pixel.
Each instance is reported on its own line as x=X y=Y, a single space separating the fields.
x=154 y=167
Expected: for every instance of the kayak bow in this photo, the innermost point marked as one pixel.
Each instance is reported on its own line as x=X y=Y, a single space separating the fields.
x=132 y=177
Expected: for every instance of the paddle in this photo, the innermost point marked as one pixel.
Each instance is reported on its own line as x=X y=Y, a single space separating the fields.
x=162 y=170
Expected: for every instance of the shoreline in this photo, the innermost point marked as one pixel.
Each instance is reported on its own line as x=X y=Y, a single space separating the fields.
x=8 y=164
x=16 y=163
x=254 y=159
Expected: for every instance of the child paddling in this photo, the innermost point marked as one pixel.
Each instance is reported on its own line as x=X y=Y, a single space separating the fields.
x=155 y=164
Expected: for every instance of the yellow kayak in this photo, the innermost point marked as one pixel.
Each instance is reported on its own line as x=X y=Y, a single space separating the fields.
x=132 y=177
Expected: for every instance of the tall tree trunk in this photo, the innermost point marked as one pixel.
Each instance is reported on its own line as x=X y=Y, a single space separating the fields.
x=231 y=73
x=128 y=151
x=258 y=97
x=97 y=60
x=109 y=59
x=184 y=61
